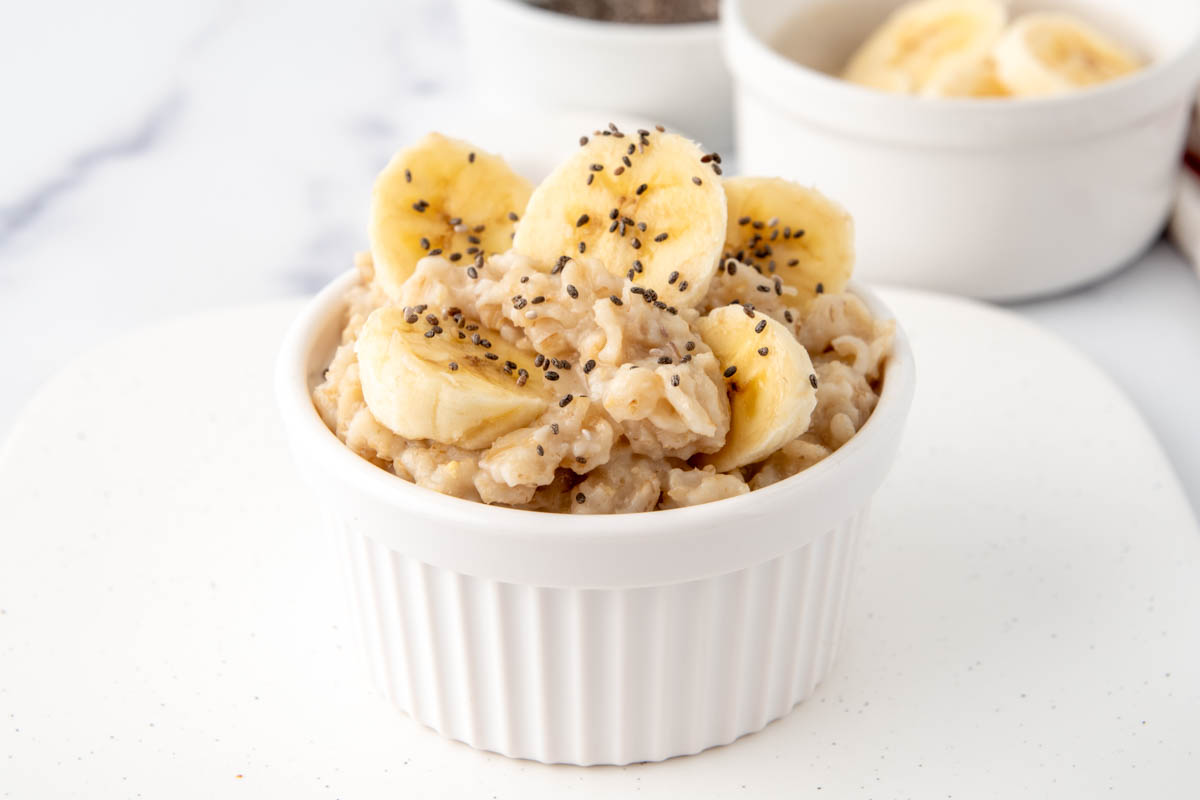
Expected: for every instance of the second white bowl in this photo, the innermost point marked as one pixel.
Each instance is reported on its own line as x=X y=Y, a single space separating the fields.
x=530 y=60
x=997 y=199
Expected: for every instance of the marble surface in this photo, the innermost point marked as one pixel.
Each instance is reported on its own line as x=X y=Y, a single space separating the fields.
x=160 y=159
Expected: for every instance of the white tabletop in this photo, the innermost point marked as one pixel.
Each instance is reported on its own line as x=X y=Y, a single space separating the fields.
x=1016 y=629
x=187 y=157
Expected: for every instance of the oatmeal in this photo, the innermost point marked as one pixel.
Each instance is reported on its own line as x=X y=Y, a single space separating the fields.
x=580 y=385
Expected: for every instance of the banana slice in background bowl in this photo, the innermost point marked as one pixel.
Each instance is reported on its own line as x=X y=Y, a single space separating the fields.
x=1049 y=53
x=967 y=78
x=970 y=48
x=922 y=40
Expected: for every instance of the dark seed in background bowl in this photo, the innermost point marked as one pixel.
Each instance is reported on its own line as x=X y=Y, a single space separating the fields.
x=645 y=11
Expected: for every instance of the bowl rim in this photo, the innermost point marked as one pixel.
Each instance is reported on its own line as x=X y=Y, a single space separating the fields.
x=293 y=387
x=879 y=114
x=527 y=12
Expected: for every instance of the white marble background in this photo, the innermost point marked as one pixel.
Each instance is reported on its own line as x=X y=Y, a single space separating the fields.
x=160 y=158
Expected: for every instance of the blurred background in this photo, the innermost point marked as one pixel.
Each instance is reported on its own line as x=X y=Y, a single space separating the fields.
x=164 y=158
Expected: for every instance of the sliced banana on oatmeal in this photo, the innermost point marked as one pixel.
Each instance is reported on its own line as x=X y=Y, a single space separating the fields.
x=423 y=381
x=445 y=197
x=785 y=229
x=920 y=40
x=770 y=380
x=648 y=205
x=1047 y=53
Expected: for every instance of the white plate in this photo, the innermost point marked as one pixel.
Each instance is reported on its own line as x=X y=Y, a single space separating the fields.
x=1024 y=624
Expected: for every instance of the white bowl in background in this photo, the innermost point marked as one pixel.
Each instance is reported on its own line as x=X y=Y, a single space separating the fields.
x=604 y=639
x=527 y=59
x=998 y=199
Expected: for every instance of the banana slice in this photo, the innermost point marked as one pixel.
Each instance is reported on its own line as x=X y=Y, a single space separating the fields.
x=646 y=205
x=784 y=229
x=443 y=196
x=459 y=391
x=771 y=382
x=920 y=39
x=966 y=78
x=1048 y=53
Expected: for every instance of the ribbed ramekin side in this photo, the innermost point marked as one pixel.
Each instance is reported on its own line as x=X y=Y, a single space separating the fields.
x=848 y=546
x=589 y=676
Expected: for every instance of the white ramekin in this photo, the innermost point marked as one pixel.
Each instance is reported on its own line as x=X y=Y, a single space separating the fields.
x=998 y=199
x=603 y=639
x=527 y=59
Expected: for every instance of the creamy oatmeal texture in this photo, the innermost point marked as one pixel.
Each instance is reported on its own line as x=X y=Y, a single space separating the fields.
x=571 y=386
